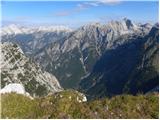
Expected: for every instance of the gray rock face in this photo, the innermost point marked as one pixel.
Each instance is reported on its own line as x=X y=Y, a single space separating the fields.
x=74 y=56
x=17 y=68
x=130 y=68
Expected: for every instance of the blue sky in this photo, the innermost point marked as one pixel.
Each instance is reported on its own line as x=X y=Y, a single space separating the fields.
x=77 y=13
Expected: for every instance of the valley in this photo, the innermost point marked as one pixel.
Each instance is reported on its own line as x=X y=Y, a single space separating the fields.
x=88 y=72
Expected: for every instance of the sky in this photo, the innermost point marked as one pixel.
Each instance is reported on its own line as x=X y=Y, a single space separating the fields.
x=76 y=13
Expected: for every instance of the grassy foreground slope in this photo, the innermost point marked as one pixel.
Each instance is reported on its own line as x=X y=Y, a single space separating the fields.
x=67 y=104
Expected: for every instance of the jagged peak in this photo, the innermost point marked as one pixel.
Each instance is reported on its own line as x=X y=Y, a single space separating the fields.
x=128 y=22
x=154 y=29
x=91 y=25
x=146 y=25
x=125 y=22
x=156 y=25
x=9 y=45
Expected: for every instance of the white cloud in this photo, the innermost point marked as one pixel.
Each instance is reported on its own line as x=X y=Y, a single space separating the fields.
x=98 y=3
x=77 y=9
x=95 y=4
x=85 y=5
x=109 y=1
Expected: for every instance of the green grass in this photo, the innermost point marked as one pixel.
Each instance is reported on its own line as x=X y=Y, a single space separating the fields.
x=65 y=105
x=18 y=106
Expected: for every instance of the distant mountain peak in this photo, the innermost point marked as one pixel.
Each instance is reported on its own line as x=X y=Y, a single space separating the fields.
x=156 y=25
x=18 y=29
x=54 y=28
x=129 y=23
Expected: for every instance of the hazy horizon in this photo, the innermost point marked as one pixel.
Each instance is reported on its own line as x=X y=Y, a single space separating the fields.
x=76 y=13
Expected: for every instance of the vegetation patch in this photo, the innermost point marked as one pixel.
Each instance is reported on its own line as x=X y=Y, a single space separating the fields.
x=65 y=105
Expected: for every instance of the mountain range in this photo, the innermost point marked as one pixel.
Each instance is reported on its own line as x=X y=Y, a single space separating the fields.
x=97 y=59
